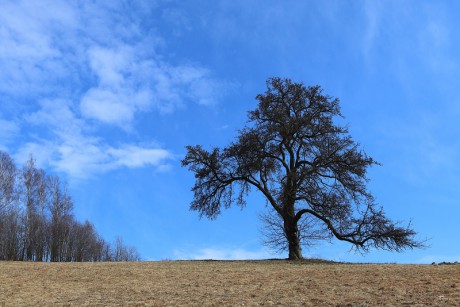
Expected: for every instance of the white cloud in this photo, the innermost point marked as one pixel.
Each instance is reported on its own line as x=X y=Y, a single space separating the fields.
x=58 y=115
x=110 y=65
x=222 y=254
x=135 y=156
x=75 y=152
x=199 y=86
x=26 y=33
x=108 y=106
x=130 y=81
x=94 y=158
x=121 y=90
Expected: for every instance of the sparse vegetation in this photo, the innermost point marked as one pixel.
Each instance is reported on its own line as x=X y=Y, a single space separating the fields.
x=225 y=283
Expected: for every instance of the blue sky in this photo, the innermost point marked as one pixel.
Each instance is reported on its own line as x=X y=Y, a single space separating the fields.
x=107 y=94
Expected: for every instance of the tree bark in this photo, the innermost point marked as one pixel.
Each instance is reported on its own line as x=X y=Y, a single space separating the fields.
x=292 y=235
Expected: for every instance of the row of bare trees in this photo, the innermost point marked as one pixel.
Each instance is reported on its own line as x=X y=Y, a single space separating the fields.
x=37 y=223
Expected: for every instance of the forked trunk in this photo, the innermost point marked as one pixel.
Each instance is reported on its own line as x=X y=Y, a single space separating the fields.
x=292 y=235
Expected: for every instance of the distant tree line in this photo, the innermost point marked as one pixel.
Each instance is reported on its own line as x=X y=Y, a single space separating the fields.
x=37 y=223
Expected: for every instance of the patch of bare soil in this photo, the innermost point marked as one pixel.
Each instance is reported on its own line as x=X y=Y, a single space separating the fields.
x=228 y=283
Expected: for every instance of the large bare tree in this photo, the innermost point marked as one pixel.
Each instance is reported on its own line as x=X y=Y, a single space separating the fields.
x=304 y=163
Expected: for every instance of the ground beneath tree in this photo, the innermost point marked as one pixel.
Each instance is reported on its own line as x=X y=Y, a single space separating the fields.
x=306 y=283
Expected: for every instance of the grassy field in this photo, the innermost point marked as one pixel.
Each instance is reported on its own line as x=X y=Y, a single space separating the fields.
x=228 y=283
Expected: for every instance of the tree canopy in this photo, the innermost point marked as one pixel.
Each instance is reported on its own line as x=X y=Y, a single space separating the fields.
x=304 y=163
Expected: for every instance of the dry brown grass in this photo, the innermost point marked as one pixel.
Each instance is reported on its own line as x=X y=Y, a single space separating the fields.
x=228 y=283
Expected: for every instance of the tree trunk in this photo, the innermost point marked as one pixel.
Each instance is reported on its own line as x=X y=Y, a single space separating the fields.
x=292 y=235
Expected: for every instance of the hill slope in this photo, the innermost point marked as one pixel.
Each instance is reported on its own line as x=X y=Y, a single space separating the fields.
x=227 y=282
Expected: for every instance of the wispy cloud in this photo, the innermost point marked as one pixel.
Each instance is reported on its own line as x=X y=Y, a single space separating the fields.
x=135 y=156
x=372 y=11
x=129 y=83
x=122 y=86
x=74 y=151
x=409 y=40
x=30 y=58
x=217 y=253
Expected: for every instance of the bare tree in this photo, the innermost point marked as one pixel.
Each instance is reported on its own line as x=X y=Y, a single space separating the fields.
x=8 y=174
x=10 y=236
x=60 y=207
x=9 y=224
x=121 y=252
x=87 y=244
x=304 y=164
x=106 y=252
x=34 y=194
